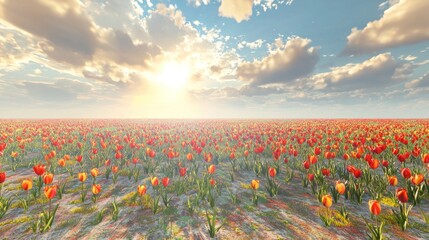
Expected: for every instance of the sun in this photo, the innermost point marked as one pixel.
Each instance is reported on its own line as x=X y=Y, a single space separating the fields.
x=173 y=74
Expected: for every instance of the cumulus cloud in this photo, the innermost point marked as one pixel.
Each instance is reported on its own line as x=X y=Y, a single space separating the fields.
x=373 y=74
x=238 y=9
x=405 y=22
x=287 y=62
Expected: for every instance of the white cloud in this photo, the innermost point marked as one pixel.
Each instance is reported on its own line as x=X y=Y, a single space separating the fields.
x=286 y=62
x=252 y=45
x=403 y=23
x=373 y=74
x=197 y=3
x=238 y=9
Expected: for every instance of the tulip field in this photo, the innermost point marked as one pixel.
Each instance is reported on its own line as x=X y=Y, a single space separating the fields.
x=222 y=179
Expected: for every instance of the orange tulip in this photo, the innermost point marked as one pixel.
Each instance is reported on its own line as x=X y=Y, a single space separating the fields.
x=115 y=169
x=154 y=181
x=27 y=184
x=48 y=178
x=96 y=189
x=211 y=169
x=272 y=172
x=61 y=162
x=212 y=182
x=50 y=191
x=402 y=195
x=374 y=207
x=141 y=189
x=393 y=180
x=417 y=179
x=327 y=200
x=82 y=176
x=340 y=187
x=255 y=184
x=189 y=156
x=94 y=172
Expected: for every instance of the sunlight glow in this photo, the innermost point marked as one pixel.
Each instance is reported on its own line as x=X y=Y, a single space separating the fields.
x=173 y=74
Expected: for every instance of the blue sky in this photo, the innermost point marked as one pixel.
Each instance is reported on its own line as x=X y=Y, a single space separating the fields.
x=214 y=59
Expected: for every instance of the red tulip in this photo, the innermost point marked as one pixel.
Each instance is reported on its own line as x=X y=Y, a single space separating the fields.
x=402 y=195
x=182 y=171
x=165 y=181
x=357 y=173
x=310 y=177
x=385 y=163
x=2 y=177
x=306 y=165
x=272 y=172
x=326 y=172
x=374 y=207
x=212 y=182
x=406 y=173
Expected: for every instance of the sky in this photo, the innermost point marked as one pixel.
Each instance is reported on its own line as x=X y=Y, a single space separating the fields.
x=214 y=59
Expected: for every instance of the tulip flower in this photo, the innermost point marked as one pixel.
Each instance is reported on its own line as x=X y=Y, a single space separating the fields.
x=50 y=191
x=2 y=177
x=272 y=172
x=406 y=173
x=393 y=180
x=96 y=189
x=141 y=189
x=182 y=171
x=48 y=178
x=211 y=169
x=327 y=200
x=375 y=230
x=61 y=162
x=374 y=207
x=340 y=187
x=402 y=195
x=165 y=181
x=310 y=177
x=94 y=173
x=82 y=176
x=255 y=184
x=401 y=216
x=212 y=182
x=39 y=169
x=417 y=179
x=154 y=181
x=27 y=184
